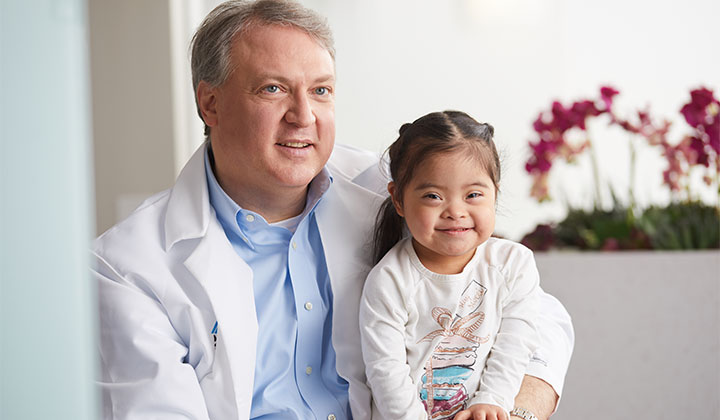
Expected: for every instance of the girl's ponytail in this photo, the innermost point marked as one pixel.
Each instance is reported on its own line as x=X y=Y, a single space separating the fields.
x=389 y=230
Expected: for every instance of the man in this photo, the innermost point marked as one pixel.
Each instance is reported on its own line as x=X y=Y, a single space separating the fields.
x=235 y=293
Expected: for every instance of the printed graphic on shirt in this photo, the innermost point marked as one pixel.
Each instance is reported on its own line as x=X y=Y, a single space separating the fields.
x=443 y=391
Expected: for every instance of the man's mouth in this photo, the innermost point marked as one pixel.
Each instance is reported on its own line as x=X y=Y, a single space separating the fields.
x=295 y=144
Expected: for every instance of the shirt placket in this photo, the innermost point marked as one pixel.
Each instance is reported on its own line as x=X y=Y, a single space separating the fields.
x=311 y=314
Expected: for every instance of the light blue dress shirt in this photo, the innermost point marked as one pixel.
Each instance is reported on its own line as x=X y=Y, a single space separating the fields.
x=295 y=374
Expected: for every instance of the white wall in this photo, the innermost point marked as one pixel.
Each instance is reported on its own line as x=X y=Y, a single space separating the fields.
x=504 y=61
x=132 y=104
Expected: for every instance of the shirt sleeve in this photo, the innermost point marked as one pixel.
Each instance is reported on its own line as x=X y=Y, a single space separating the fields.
x=382 y=330
x=517 y=336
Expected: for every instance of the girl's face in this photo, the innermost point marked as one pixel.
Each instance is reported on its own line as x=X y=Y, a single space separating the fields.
x=449 y=207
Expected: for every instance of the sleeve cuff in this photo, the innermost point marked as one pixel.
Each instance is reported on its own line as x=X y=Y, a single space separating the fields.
x=484 y=397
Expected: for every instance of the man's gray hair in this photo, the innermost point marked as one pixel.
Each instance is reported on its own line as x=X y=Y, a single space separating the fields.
x=212 y=43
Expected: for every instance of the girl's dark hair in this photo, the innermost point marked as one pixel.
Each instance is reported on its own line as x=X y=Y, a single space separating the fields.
x=430 y=135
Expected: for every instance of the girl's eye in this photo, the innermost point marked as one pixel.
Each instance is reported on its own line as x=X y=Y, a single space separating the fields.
x=432 y=196
x=271 y=89
x=475 y=195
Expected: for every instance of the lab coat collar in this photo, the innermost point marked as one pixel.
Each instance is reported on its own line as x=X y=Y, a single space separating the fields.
x=188 y=210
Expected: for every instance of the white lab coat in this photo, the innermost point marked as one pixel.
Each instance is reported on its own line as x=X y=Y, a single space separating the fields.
x=168 y=273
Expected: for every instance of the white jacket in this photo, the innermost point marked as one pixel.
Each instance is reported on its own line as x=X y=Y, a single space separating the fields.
x=168 y=273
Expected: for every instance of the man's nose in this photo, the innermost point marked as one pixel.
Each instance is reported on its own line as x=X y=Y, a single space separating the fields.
x=300 y=112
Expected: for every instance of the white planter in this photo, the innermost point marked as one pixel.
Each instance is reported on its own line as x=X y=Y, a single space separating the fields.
x=647 y=328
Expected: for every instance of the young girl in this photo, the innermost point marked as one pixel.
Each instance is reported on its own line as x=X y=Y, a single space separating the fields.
x=447 y=315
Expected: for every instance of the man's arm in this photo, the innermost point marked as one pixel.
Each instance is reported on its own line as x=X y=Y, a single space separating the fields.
x=536 y=396
x=141 y=369
x=545 y=376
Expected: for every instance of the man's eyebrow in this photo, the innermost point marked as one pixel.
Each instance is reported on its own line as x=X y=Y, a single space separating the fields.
x=262 y=77
x=327 y=78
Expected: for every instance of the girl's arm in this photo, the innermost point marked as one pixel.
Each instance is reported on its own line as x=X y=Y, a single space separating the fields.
x=517 y=336
x=382 y=330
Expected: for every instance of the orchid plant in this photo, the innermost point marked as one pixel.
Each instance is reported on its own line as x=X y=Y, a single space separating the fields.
x=698 y=150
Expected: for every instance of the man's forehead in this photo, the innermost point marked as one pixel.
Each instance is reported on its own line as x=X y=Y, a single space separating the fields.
x=281 y=52
x=274 y=37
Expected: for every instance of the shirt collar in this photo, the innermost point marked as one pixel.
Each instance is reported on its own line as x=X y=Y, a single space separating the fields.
x=238 y=221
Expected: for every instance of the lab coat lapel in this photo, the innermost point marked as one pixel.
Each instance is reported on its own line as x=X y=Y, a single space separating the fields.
x=345 y=219
x=226 y=279
x=228 y=283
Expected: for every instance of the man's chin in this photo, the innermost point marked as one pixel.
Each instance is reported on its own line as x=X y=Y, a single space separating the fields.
x=295 y=178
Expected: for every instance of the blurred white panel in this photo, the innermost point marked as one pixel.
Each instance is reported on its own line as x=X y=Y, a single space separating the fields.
x=47 y=305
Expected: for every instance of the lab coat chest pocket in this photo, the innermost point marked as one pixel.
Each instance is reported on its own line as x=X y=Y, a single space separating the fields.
x=216 y=383
x=227 y=282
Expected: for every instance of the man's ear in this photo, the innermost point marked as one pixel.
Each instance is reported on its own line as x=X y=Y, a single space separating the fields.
x=207 y=103
x=395 y=199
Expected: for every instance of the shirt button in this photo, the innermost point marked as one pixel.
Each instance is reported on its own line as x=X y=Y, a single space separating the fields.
x=331 y=417
x=250 y=218
x=308 y=370
x=294 y=245
x=308 y=306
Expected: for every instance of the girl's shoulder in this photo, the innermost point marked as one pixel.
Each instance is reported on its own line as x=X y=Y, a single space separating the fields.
x=504 y=254
x=397 y=261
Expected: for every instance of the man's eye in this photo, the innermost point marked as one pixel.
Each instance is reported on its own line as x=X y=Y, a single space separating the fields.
x=321 y=91
x=271 y=89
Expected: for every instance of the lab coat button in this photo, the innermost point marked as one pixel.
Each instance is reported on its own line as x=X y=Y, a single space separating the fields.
x=308 y=370
x=294 y=245
x=331 y=417
x=308 y=306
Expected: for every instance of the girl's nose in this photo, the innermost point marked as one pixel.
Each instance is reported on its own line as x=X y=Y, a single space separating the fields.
x=454 y=211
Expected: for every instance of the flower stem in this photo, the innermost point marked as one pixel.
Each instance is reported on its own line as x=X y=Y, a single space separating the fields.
x=633 y=168
x=596 y=174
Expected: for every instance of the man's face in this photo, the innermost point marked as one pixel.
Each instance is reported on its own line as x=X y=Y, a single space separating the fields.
x=273 y=120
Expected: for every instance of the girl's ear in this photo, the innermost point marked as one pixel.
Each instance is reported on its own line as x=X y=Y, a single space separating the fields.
x=395 y=199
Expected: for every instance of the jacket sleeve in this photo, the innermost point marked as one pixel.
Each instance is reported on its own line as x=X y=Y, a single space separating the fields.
x=557 y=338
x=382 y=331
x=142 y=373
